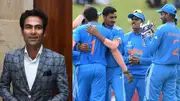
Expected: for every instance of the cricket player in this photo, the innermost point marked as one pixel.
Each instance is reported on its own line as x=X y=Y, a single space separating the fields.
x=115 y=77
x=178 y=72
x=80 y=18
x=138 y=57
x=164 y=46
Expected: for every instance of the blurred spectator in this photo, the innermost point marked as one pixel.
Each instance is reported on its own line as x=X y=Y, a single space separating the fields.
x=156 y=3
x=103 y=2
x=177 y=3
x=82 y=2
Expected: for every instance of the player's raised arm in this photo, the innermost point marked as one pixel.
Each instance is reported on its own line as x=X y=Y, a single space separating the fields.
x=110 y=44
x=78 y=20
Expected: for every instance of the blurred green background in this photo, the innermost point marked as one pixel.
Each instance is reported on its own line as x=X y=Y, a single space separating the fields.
x=124 y=7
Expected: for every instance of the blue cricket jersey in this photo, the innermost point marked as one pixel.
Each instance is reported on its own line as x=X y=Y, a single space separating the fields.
x=165 y=44
x=117 y=33
x=98 y=49
x=134 y=45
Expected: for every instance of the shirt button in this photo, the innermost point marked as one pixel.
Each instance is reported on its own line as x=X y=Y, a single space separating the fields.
x=29 y=96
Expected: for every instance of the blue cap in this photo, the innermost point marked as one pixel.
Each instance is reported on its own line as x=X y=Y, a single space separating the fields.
x=139 y=15
x=168 y=8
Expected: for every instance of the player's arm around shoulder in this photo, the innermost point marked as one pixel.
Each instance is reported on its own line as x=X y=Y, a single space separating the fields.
x=118 y=35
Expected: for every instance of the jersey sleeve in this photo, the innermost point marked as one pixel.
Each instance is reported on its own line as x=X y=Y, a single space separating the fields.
x=125 y=55
x=118 y=34
x=145 y=61
x=110 y=35
x=76 y=35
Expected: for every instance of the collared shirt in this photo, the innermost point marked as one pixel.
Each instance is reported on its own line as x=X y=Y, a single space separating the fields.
x=31 y=66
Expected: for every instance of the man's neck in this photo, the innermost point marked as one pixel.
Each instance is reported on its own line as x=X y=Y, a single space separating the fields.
x=136 y=30
x=170 y=22
x=33 y=51
x=106 y=25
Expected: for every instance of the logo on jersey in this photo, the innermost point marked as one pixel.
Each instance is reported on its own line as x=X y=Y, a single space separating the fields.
x=129 y=45
x=135 y=51
x=132 y=50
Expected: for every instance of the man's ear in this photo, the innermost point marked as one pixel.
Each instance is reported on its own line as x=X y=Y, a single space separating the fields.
x=44 y=34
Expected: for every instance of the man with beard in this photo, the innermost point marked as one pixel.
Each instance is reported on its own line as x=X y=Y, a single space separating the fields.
x=165 y=48
x=34 y=70
x=137 y=56
x=113 y=71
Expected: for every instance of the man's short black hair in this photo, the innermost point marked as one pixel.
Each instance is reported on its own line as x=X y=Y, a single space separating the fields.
x=91 y=14
x=35 y=12
x=107 y=10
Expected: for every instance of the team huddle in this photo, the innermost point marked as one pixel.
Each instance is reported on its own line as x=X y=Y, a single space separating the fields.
x=107 y=60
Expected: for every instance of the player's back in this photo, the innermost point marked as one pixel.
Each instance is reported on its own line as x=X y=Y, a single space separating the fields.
x=98 y=49
x=168 y=49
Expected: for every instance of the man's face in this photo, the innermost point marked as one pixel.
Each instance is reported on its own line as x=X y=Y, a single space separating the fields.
x=110 y=19
x=163 y=17
x=136 y=22
x=33 y=32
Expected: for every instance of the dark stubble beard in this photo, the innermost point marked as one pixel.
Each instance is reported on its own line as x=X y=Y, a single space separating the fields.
x=163 y=21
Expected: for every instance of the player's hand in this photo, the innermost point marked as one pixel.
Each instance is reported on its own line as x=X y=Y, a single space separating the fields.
x=134 y=60
x=128 y=75
x=84 y=47
x=92 y=30
x=152 y=32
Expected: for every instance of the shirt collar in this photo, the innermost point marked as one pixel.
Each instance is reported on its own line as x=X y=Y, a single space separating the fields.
x=137 y=34
x=93 y=23
x=108 y=27
x=39 y=53
x=173 y=23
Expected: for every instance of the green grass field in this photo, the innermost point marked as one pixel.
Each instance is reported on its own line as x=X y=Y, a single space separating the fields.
x=124 y=7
